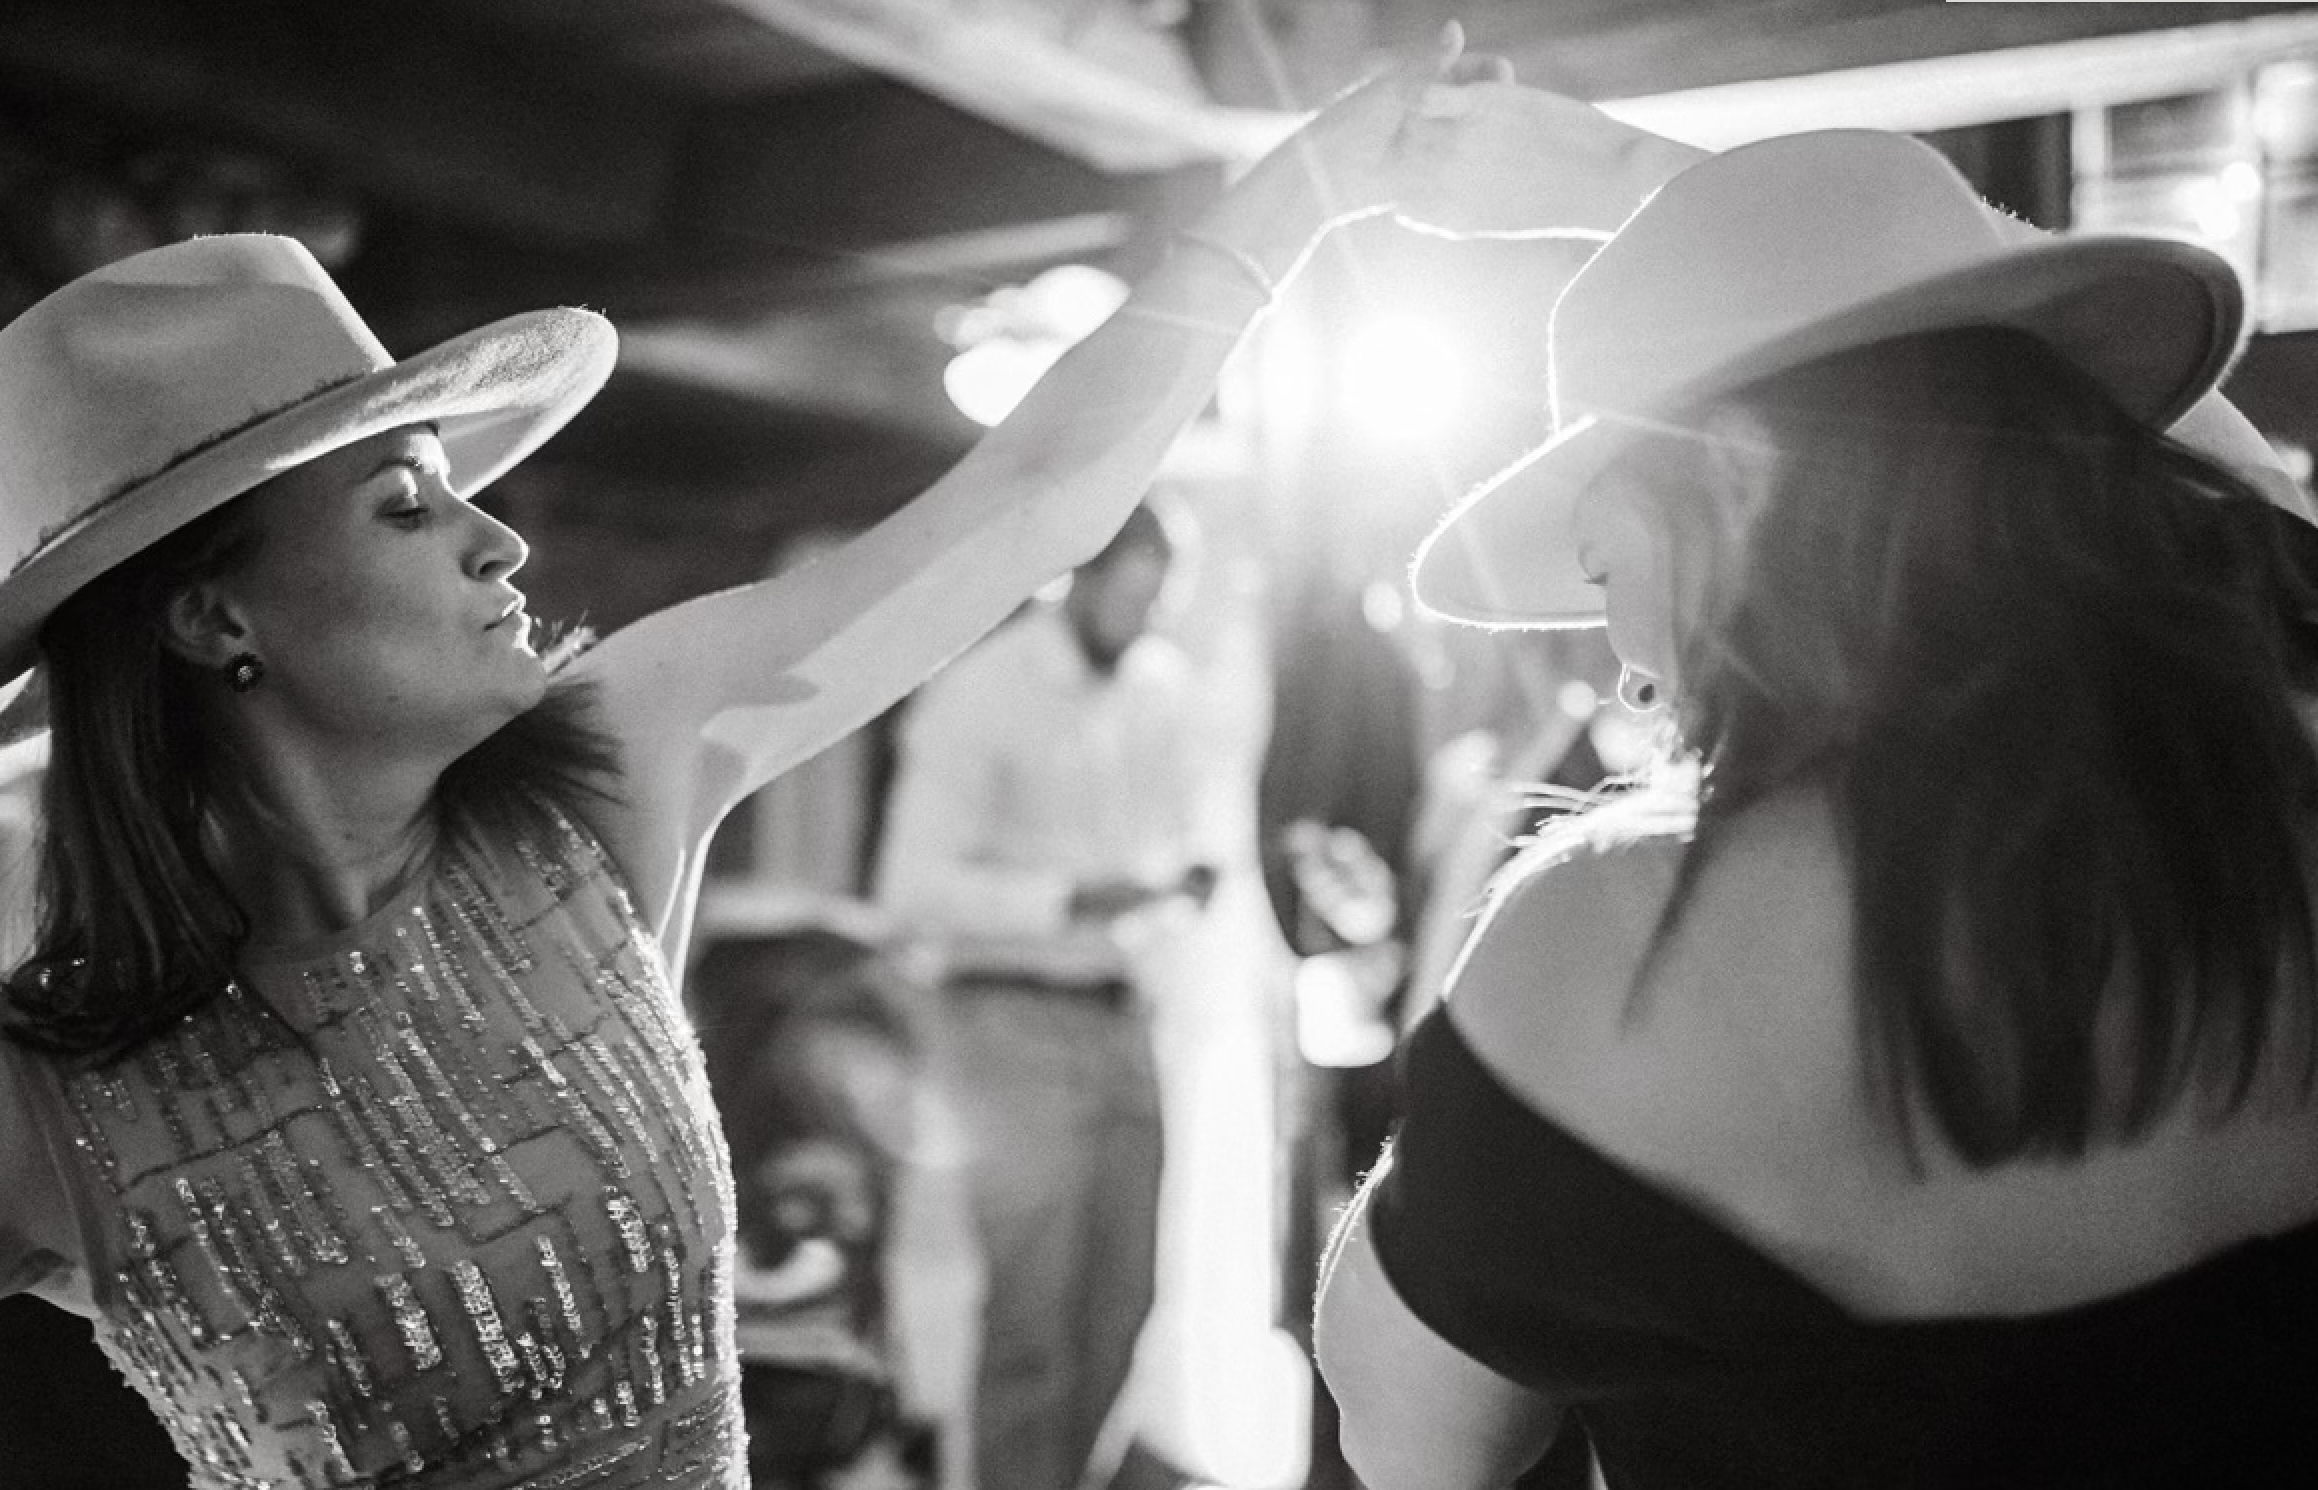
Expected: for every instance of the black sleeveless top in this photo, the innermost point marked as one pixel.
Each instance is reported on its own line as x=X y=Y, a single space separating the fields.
x=1691 y=1359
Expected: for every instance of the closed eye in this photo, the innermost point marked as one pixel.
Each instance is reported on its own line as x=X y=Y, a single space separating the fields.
x=407 y=505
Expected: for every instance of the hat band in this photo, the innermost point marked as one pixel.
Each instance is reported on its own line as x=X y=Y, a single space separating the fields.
x=48 y=537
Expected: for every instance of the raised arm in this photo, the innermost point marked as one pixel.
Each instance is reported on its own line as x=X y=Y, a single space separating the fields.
x=712 y=698
x=1526 y=163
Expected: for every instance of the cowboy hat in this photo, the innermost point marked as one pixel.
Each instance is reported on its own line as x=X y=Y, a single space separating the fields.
x=1778 y=253
x=150 y=391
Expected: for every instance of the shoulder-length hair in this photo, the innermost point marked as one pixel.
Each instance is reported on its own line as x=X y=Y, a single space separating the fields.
x=134 y=926
x=2051 y=669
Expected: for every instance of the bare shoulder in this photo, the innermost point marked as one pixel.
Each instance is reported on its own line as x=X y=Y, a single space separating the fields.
x=1569 y=923
x=1583 y=994
x=640 y=821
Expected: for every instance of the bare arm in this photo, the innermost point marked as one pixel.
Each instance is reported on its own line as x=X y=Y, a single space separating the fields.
x=1418 y=1414
x=40 y=1245
x=1533 y=164
x=712 y=698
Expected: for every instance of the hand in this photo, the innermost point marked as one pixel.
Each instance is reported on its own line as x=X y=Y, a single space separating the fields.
x=1197 y=884
x=1355 y=156
x=1108 y=899
x=1349 y=161
x=1490 y=159
x=1450 y=144
x=1342 y=879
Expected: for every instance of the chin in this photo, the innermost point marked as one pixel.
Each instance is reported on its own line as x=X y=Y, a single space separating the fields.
x=528 y=685
x=510 y=688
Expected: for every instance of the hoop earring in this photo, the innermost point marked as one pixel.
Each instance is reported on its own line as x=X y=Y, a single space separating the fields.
x=244 y=672
x=1639 y=694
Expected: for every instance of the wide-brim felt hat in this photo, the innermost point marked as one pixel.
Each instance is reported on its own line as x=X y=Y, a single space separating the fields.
x=150 y=391
x=1779 y=253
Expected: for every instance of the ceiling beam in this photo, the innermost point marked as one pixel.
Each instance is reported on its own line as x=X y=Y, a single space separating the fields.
x=825 y=366
x=1087 y=79
x=834 y=173
x=796 y=362
x=1736 y=41
x=1928 y=93
x=1125 y=97
x=975 y=254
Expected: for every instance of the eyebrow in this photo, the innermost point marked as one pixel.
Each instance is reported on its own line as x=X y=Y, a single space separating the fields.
x=412 y=462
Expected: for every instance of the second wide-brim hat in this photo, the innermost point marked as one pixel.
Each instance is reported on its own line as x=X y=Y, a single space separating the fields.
x=148 y=392
x=1777 y=253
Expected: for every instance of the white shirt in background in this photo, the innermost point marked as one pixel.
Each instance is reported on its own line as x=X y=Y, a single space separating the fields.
x=1025 y=773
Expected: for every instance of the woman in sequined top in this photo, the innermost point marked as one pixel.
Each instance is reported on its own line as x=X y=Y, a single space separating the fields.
x=345 y=1086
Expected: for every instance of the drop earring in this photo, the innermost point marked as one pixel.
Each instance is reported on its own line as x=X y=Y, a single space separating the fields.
x=244 y=672
x=1638 y=692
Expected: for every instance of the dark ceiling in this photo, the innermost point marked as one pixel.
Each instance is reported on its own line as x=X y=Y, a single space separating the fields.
x=774 y=197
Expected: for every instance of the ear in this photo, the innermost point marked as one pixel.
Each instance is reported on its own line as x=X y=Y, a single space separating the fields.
x=1746 y=465
x=204 y=626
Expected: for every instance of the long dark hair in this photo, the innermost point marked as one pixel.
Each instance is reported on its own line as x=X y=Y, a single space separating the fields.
x=135 y=928
x=2047 y=665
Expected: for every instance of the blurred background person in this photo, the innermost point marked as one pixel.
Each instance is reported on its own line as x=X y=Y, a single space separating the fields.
x=815 y=1042
x=1044 y=822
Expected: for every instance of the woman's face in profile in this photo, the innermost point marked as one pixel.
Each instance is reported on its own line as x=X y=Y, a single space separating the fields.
x=381 y=602
x=1653 y=529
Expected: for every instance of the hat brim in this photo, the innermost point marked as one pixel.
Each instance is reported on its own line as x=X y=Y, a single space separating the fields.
x=494 y=394
x=2154 y=321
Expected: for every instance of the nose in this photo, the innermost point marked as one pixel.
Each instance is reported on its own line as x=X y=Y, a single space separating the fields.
x=497 y=550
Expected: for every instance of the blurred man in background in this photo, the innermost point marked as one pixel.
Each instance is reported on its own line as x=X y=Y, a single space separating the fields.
x=1043 y=820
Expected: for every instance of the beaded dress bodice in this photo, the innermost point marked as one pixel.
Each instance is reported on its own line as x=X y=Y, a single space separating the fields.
x=440 y=1203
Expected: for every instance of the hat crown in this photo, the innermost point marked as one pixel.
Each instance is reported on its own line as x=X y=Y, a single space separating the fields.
x=1781 y=253
x=1775 y=237
x=111 y=379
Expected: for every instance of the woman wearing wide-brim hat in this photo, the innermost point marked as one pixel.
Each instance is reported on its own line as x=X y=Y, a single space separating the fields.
x=1923 y=1095
x=344 y=1085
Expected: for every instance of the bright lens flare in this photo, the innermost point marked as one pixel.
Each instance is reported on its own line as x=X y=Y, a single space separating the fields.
x=1010 y=337
x=1402 y=379
x=988 y=380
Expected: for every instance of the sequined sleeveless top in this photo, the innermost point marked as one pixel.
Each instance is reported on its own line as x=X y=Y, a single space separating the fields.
x=438 y=1203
